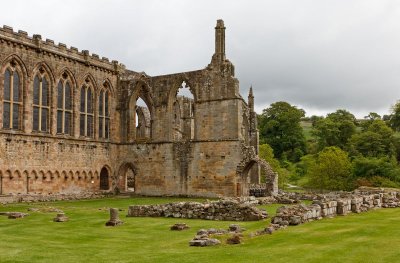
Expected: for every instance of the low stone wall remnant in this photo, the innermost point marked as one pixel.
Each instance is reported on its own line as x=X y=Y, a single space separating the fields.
x=335 y=204
x=28 y=198
x=226 y=210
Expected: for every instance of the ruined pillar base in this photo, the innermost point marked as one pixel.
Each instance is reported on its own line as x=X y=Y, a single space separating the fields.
x=114 y=223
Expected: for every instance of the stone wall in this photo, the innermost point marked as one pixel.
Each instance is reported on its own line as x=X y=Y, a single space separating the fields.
x=217 y=210
x=334 y=205
x=27 y=198
x=208 y=161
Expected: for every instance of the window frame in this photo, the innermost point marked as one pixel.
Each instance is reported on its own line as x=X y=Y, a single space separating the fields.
x=104 y=114
x=64 y=81
x=13 y=69
x=85 y=132
x=42 y=76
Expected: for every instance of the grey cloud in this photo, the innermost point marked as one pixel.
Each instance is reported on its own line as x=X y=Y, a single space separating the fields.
x=319 y=55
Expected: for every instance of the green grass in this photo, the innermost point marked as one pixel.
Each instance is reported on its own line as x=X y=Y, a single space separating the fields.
x=369 y=237
x=307 y=127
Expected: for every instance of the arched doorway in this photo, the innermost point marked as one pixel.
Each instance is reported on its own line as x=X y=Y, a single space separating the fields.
x=104 y=179
x=130 y=180
x=127 y=178
x=244 y=183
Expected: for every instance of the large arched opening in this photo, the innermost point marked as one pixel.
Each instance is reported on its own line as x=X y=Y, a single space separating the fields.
x=182 y=112
x=140 y=114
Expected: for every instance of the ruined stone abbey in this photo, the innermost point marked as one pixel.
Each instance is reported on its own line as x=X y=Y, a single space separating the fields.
x=71 y=122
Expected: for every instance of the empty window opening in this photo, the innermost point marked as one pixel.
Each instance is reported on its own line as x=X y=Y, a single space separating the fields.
x=142 y=120
x=183 y=114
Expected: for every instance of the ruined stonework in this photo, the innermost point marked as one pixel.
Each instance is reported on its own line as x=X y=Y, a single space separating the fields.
x=71 y=123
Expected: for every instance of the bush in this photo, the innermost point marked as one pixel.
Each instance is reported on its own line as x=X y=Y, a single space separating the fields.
x=331 y=170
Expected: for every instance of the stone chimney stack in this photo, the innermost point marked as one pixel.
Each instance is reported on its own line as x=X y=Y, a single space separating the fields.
x=219 y=55
x=251 y=99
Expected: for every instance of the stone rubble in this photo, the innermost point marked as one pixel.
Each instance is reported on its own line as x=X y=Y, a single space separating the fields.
x=234 y=239
x=14 y=215
x=61 y=217
x=227 y=210
x=331 y=205
x=204 y=236
x=29 y=198
x=203 y=241
x=180 y=226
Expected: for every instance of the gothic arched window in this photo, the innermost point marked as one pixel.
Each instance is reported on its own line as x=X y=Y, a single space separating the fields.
x=104 y=114
x=12 y=99
x=41 y=102
x=86 y=111
x=64 y=106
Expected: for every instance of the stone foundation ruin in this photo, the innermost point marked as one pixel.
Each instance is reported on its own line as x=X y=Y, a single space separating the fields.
x=229 y=210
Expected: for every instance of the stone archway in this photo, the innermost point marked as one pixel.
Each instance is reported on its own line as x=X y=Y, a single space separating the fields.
x=104 y=179
x=127 y=178
x=243 y=183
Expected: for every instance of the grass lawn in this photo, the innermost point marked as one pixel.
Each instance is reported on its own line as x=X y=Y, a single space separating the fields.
x=369 y=237
x=307 y=127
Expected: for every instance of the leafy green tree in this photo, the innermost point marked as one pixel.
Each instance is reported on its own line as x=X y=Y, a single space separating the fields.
x=376 y=140
x=267 y=153
x=342 y=115
x=379 y=172
x=395 y=116
x=335 y=130
x=280 y=127
x=372 y=116
x=314 y=119
x=331 y=170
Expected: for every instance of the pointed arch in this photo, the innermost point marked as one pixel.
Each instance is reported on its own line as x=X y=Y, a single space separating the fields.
x=186 y=129
x=17 y=60
x=44 y=66
x=66 y=88
x=88 y=78
x=107 y=82
x=43 y=83
x=139 y=89
x=243 y=170
x=70 y=75
x=127 y=177
x=105 y=177
x=87 y=100
x=104 y=109
x=13 y=79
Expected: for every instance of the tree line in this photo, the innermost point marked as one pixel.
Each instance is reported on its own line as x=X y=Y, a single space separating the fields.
x=335 y=152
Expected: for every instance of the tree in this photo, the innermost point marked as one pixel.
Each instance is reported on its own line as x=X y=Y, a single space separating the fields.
x=372 y=116
x=266 y=153
x=335 y=130
x=331 y=170
x=280 y=127
x=379 y=172
x=376 y=140
x=394 y=119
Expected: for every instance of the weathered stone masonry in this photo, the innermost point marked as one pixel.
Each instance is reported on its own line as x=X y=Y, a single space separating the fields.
x=70 y=122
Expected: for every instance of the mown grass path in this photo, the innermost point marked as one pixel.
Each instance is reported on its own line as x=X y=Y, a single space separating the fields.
x=369 y=237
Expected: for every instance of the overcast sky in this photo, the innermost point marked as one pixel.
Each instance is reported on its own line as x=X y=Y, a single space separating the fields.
x=320 y=55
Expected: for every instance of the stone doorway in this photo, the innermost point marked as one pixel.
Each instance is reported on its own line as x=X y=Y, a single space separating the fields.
x=104 y=179
x=244 y=181
x=130 y=180
x=127 y=178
